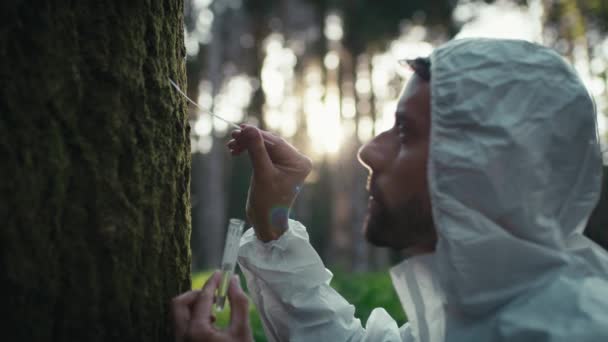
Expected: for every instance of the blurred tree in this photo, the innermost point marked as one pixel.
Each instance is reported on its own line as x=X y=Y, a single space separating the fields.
x=575 y=18
x=583 y=23
x=597 y=227
x=369 y=24
x=227 y=54
x=96 y=168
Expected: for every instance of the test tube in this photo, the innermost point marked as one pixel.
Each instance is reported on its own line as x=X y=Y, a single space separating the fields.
x=231 y=251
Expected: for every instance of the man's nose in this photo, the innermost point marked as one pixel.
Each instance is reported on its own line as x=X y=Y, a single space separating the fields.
x=373 y=154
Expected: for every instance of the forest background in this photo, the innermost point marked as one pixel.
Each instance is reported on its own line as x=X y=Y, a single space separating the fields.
x=325 y=75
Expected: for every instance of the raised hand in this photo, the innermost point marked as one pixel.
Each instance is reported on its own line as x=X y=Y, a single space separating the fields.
x=278 y=173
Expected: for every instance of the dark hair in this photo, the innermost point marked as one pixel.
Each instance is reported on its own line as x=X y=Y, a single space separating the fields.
x=421 y=67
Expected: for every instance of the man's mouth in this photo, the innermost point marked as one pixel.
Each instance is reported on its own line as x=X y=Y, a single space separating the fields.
x=374 y=192
x=371 y=202
x=374 y=201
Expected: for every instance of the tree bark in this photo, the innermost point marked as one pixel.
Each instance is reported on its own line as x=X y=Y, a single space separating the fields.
x=96 y=169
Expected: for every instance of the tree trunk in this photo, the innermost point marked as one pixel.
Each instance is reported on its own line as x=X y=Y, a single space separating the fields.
x=96 y=168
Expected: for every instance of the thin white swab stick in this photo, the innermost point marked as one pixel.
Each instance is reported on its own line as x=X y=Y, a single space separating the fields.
x=201 y=108
x=208 y=112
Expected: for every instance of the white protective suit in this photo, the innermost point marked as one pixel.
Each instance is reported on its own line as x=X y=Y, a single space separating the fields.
x=515 y=171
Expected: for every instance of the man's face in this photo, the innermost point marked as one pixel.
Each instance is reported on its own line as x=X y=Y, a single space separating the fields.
x=399 y=212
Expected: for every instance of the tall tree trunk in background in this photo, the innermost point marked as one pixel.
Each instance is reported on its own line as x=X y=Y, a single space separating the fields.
x=597 y=226
x=211 y=214
x=301 y=22
x=96 y=164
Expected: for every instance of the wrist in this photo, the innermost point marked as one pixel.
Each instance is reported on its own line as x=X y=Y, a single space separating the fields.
x=271 y=224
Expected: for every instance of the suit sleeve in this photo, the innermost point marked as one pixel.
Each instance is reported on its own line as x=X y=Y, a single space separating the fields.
x=290 y=287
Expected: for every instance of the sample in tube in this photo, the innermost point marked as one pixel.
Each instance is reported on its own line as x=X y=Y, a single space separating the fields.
x=231 y=251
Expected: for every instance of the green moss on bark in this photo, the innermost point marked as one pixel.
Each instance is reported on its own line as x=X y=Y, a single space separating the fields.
x=96 y=169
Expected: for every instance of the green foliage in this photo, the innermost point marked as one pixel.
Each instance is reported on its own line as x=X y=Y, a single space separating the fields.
x=365 y=291
x=596 y=11
x=367 y=23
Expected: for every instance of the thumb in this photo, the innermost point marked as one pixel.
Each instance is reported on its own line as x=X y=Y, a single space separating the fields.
x=239 y=307
x=202 y=307
x=254 y=142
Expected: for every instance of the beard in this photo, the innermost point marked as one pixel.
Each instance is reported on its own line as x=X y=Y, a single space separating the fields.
x=409 y=226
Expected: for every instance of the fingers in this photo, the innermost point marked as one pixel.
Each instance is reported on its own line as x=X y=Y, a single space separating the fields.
x=184 y=300
x=239 y=306
x=180 y=312
x=238 y=145
x=235 y=148
x=289 y=156
x=273 y=139
x=250 y=138
x=202 y=310
x=267 y=159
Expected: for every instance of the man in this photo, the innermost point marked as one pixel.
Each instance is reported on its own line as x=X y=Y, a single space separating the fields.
x=488 y=177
